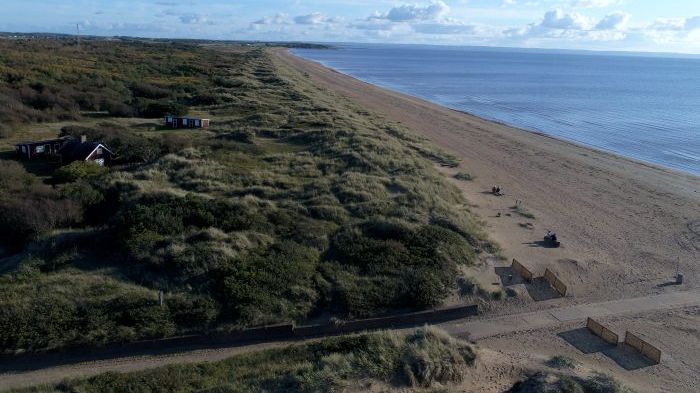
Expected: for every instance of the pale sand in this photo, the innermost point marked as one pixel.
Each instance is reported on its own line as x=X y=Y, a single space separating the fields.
x=623 y=224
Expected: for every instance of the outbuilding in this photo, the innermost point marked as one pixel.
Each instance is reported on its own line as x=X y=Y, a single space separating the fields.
x=186 y=122
x=33 y=150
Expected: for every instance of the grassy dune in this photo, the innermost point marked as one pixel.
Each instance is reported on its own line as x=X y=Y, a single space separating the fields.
x=294 y=204
x=421 y=359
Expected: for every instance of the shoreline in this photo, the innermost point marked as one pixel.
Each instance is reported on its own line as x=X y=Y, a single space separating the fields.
x=625 y=223
x=504 y=124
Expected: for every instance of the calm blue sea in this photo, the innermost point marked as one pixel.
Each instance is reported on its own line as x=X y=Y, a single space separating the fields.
x=643 y=107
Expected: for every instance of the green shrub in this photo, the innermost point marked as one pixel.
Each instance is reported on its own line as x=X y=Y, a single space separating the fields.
x=546 y=383
x=78 y=170
x=426 y=358
x=464 y=176
x=29 y=207
x=294 y=203
x=561 y=362
x=161 y=108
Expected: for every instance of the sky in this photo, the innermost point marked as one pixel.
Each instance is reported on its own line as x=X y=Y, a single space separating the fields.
x=615 y=25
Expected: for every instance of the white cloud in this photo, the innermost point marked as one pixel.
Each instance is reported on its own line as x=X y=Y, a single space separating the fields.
x=679 y=31
x=315 y=18
x=676 y=24
x=445 y=28
x=277 y=19
x=615 y=21
x=437 y=9
x=595 y=3
x=194 y=19
x=557 y=24
x=692 y=23
x=558 y=19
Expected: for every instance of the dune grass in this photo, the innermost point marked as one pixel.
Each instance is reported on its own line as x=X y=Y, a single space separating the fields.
x=550 y=383
x=294 y=203
x=422 y=359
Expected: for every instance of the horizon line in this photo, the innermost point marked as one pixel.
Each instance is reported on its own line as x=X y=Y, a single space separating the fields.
x=322 y=42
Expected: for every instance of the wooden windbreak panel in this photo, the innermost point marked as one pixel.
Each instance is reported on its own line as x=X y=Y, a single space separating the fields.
x=642 y=346
x=601 y=331
x=555 y=282
x=524 y=272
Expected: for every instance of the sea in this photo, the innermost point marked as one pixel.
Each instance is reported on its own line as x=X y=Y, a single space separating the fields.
x=642 y=106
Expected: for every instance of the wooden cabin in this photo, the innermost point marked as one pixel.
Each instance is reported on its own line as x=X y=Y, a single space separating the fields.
x=186 y=122
x=82 y=150
x=33 y=150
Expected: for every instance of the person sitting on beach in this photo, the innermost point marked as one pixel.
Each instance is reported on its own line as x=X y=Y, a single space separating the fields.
x=493 y=190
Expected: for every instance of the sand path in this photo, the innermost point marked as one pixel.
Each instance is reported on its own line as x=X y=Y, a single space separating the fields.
x=480 y=329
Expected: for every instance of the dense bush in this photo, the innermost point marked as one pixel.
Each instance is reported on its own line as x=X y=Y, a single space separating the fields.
x=424 y=260
x=78 y=170
x=544 y=383
x=29 y=207
x=157 y=109
x=55 y=310
x=47 y=80
x=293 y=204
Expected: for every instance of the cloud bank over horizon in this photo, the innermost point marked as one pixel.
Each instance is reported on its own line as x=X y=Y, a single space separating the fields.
x=633 y=25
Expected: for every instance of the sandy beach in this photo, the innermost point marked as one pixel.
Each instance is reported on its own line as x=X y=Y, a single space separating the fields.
x=625 y=226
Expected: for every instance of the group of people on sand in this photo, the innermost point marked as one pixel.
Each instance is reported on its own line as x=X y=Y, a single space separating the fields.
x=497 y=191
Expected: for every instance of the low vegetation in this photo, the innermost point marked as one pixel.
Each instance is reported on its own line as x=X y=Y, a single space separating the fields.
x=549 y=383
x=294 y=204
x=423 y=359
x=464 y=176
x=522 y=211
x=561 y=362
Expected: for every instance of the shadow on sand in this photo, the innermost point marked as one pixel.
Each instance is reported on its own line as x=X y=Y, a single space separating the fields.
x=622 y=354
x=538 y=289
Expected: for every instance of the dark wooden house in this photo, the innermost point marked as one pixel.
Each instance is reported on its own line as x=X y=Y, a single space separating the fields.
x=82 y=150
x=186 y=122
x=33 y=150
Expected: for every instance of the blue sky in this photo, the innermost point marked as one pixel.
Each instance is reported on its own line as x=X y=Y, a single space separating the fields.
x=632 y=25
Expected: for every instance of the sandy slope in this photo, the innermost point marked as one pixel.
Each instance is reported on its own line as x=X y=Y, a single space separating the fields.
x=624 y=224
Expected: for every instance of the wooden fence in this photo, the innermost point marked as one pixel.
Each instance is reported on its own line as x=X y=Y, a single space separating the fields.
x=642 y=346
x=601 y=331
x=269 y=333
x=524 y=272
x=555 y=282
